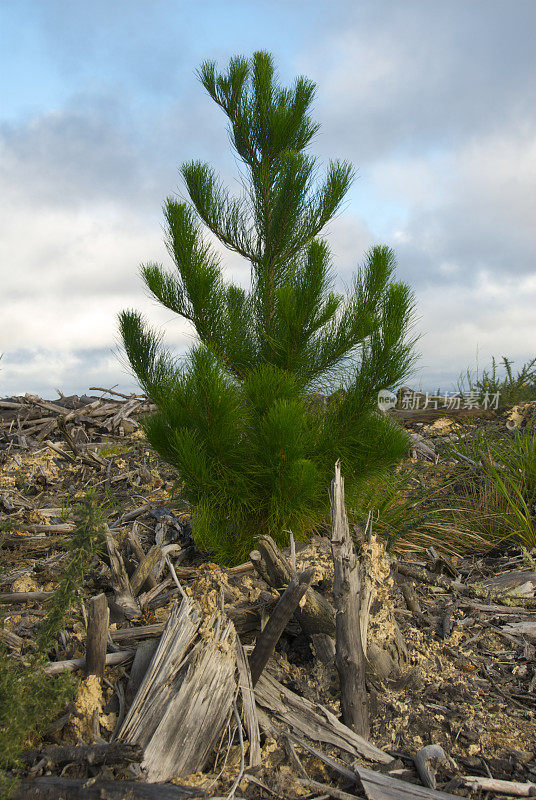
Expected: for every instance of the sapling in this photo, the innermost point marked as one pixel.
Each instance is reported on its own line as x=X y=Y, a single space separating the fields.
x=283 y=378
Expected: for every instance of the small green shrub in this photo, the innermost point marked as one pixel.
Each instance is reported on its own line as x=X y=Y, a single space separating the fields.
x=29 y=700
x=235 y=418
x=510 y=389
x=87 y=540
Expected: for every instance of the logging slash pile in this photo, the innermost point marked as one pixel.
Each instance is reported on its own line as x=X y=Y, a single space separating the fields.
x=329 y=669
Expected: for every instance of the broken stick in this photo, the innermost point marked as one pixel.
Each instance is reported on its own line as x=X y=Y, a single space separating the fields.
x=97 y=635
x=280 y=616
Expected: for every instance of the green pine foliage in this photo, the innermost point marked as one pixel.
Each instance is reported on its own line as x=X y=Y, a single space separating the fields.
x=239 y=417
x=87 y=540
x=29 y=700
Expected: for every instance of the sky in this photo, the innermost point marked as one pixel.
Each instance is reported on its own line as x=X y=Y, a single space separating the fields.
x=434 y=103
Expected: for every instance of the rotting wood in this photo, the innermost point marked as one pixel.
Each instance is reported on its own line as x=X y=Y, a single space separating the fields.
x=422 y=760
x=60 y=788
x=349 y=655
x=97 y=635
x=139 y=552
x=510 y=788
x=156 y=687
x=378 y=786
x=90 y=754
x=280 y=616
x=184 y=701
x=316 y=615
x=121 y=584
x=313 y=720
x=144 y=569
x=24 y=597
x=72 y=664
x=248 y=705
x=144 y=655
x=202 y=703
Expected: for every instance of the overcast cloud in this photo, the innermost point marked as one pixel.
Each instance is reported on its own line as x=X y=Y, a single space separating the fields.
x=434 y=103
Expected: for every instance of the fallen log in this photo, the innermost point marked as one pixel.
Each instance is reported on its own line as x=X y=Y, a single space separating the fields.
x=378 y=786
x=59 y=788
x=89 y=754
x=510 y=788
x=71 y=664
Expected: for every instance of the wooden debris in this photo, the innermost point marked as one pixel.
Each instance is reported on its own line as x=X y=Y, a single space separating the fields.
x=316 y=615
x=92 y=754
x=59 y=788
x=97 y=636
x=280 y=616
x=144 y=655
x=378 y=786
x=72 y=664
x=510 y=788
x=349 y=655
x=196 y=689
x=422 y=759
x=123 y=593
x=313 y=720
x=248 y=705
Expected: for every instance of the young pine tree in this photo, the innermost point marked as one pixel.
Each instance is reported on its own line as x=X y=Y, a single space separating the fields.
x=240 y=417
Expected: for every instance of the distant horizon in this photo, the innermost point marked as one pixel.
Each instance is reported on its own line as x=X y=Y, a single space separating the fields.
x=449 y=385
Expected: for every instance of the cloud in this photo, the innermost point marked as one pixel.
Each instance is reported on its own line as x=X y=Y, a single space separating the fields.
x=433 y=102
x=411 y=76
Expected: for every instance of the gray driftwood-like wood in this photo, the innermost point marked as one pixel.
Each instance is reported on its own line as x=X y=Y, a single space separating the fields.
x=316 y=615
x=280 y=616
x=510 y=788
x=186 y=696
x=123 y=592
x=144 y=654
x=90 y=754
x=422 y=760
x=157 y=686
x=349 y=655
x=378 y=786
x=97 y=635
x=71 y=664
x=144 y=569
x=199 y=709
x=248 y=705
x=59 y=788
x=313 y=720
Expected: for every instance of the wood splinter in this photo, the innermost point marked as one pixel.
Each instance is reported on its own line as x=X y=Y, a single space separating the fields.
x=280 y=616
x=97 y=635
